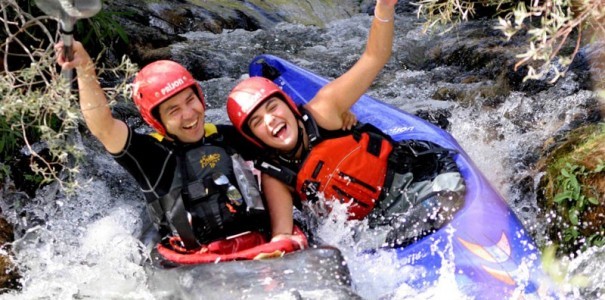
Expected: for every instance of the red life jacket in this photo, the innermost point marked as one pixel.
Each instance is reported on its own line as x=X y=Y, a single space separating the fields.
x=351 y=168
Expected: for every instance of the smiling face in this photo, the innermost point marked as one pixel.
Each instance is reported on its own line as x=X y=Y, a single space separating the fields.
x=183 y=116
x=274 y=123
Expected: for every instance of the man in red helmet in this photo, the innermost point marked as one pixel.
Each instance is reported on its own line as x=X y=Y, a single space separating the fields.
x=196 y=185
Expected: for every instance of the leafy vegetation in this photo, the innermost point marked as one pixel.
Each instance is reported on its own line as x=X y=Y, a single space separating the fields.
x=575 y=198
x=548 y=24
x=39 y=114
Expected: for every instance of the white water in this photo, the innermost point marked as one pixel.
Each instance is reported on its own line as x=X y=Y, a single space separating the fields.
x=88 y=246
x=379 y=275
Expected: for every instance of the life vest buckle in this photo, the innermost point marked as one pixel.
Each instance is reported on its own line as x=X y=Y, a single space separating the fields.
x=309 y=189
x=196 y=190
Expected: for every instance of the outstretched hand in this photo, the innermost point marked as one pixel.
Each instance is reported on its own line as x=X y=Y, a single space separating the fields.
x=81 y=58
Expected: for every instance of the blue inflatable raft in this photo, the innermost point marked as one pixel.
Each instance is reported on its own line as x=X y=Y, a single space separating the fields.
x=493 y=255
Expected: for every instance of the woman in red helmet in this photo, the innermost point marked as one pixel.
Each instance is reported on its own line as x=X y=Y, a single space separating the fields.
x=311 y=155
x=197 y=188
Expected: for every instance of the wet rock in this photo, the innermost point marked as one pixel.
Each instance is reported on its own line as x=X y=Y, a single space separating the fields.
x=9 y=276
x=447 y=94
x=437 y=117
x=153 y=27
x=493 y=94
x=484 y=54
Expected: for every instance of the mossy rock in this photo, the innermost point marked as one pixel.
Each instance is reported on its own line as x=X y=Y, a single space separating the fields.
x=579 y=154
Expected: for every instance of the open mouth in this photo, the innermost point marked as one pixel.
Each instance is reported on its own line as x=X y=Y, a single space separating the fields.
x=279 y=130
x=191 y=125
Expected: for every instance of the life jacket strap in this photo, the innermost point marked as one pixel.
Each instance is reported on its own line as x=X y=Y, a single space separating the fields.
x=174 y=208
x=310 y=127
x=286 y=175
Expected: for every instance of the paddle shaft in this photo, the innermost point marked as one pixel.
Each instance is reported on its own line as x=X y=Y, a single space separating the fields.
x=67 y=27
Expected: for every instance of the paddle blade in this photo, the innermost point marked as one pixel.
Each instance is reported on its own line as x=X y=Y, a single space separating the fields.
x=77 y=9
x=81 y=9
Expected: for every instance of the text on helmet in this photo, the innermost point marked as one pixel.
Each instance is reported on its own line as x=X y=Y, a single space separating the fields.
x=172 y=85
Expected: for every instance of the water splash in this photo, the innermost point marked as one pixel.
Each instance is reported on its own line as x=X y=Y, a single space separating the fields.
x=107 y=255
x=380 y=274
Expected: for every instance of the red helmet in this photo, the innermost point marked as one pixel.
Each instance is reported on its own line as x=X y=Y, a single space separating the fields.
x=157 y=82
x=245 y=97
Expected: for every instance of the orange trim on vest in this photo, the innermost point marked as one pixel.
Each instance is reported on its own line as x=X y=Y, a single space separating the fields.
x=341 y=168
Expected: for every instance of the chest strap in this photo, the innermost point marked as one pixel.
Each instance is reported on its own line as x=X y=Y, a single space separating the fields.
x=174 y=208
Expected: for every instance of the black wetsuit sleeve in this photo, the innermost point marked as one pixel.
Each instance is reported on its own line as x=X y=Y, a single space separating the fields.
x=149 y=161
x=238 y=142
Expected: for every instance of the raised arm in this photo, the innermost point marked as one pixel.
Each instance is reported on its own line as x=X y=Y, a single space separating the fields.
x=110 y=131
x=337 y=97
